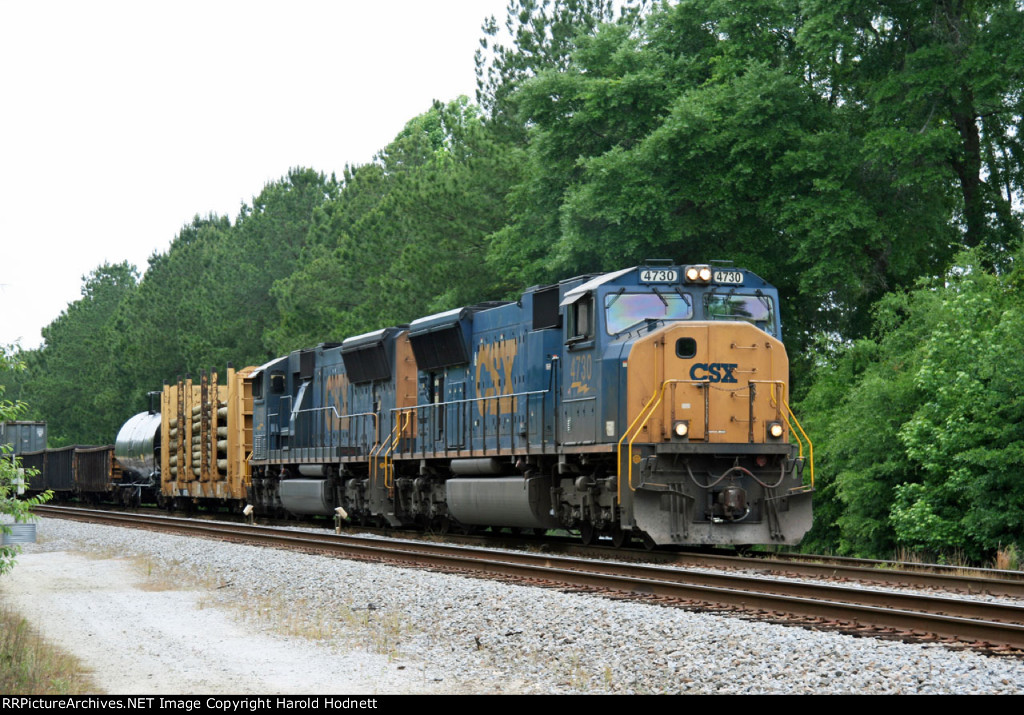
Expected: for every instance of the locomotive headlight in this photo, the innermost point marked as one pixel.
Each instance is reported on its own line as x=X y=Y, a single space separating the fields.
x=698 y=274
x=775 y=430
x=681 y=428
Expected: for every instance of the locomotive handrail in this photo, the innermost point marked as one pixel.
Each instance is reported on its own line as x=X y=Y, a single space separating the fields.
x=393 y=439
x=787 y=412
x=337 y=415
x=810 y=445
x=472 y=399
x=652 y=404
x=791 y=420
x=434 y=406
x=644 y=415
x=344 y=416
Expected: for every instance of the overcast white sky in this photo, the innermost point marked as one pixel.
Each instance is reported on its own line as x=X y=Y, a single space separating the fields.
x=119 y=121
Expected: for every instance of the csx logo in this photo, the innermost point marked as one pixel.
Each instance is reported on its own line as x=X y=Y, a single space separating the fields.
x=715 y=372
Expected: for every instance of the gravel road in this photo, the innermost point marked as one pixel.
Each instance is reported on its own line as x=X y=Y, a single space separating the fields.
x=159 y=614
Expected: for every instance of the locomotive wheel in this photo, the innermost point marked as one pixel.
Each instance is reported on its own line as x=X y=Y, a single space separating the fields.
x=648 y=541
x=588 y=534
x=619 y=537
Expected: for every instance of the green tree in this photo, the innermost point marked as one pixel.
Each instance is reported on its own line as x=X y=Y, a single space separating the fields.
x=407 y=235
x=542 y=35
x=207 y=300
x=76 y=379
x=854 y=411
x=938 y=89
x=161 y=331
x=13 y=508
x=263 y=246
x=445 y=212
x=701 y=134
x=965 y=435
x=919 y=427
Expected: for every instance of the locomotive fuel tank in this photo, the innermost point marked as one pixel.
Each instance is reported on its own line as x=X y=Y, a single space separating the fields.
x=502 y=501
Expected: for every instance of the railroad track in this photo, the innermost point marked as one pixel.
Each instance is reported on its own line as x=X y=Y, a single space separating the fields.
x=936 y=577
x=996 y=627
x=899 y=574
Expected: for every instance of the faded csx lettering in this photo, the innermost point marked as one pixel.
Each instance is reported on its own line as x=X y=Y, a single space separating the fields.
x=336 y=388
x=715 y=372
x=494 y=361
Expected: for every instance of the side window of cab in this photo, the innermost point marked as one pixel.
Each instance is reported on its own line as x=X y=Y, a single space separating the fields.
x=580 y=323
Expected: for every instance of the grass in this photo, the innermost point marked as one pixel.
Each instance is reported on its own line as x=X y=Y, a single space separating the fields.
x=1008 y=558
x=31 y=666
x=377 y=631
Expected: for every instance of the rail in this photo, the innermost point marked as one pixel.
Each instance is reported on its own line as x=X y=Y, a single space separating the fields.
x=853 y=608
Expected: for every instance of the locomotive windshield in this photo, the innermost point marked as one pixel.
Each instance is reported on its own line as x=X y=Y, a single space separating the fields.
x=756 y=309
x=624 y=310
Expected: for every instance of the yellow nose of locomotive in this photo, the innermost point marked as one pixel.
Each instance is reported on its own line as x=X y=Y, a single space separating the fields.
x=712 y=382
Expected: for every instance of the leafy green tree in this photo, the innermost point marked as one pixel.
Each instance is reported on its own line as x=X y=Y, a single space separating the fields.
x=76 y=379
x=919 y=427
x=965 y=435
x=445 y=212
x=13 y=508
x=161 y=332
x=542 y=35
x=325 y=297
x=206 y=301
x=265 y=245
x=386 y=250
x=701 y=134
x=859 y=400
x=938 y=88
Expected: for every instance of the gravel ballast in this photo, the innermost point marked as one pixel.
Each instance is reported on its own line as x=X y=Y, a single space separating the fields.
x=154 y=613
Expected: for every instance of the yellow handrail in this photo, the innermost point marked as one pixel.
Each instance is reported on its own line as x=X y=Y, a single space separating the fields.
x=645 y=415
x=377 y=452
x=652 y=404
x=396 y=434
x=810 y=445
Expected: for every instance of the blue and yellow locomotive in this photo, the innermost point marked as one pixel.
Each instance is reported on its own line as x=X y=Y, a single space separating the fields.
x=646 y=403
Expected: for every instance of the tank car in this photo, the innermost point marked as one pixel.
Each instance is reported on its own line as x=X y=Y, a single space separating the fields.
x=646 y=403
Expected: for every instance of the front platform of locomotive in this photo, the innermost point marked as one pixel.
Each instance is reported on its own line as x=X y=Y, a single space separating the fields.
x=703 y=447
